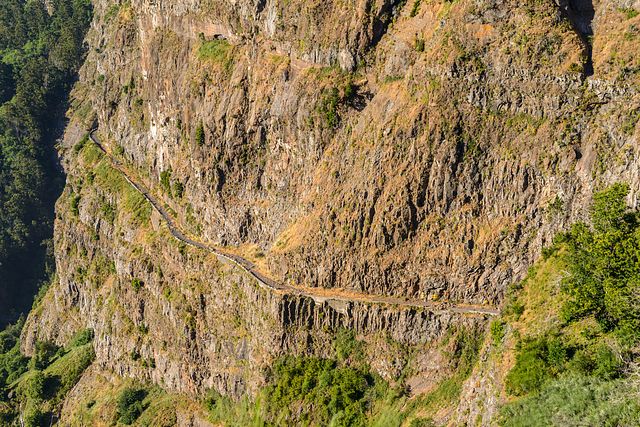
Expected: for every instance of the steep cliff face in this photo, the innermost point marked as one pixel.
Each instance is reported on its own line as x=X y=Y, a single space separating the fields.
x=428 y=170
x=423 y=149
x=181 y=317
x=454 y=176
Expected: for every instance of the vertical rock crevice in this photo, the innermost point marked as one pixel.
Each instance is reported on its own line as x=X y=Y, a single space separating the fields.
x=581 y=13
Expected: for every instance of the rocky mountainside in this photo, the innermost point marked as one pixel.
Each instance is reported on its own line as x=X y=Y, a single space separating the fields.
x=422 y=150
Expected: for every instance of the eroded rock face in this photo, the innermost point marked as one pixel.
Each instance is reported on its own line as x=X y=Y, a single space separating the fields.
x=179 y=316
x=428 y=151
x=431 y=170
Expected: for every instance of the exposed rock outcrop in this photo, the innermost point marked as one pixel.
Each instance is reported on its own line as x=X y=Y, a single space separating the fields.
x=423 y=149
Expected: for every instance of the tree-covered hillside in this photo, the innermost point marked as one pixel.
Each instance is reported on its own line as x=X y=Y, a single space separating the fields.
x=41 y=49
x=575 y=321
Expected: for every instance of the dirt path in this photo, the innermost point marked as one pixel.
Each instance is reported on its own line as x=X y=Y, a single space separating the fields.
x=318 y=294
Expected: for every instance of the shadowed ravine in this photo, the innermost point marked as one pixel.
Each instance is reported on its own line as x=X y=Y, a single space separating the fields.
x=581 y=14
x=319 y=295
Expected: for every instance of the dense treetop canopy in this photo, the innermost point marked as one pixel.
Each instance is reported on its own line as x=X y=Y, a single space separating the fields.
x=40 y=52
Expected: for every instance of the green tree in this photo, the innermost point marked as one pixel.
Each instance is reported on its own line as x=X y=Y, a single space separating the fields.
x=604 y=265
x=44 y=352
x=609 y=211
x=129 y=405
x=34 y=388
x=33 y=416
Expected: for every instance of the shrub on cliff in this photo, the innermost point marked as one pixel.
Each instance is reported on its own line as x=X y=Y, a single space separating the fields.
x=84 y=336
x=329 y=107
x=217 y=51
x=136 y=284
x=330 y=394
x=129 y=405
x=200 y=137
x=537 y=361
x=604 y=266
x=44 y=353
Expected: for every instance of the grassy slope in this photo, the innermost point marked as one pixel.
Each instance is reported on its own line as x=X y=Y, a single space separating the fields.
x=38 y=393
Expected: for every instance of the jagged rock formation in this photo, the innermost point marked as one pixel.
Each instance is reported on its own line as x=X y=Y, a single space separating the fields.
x=275 y=171
x=181 y=317
x=423 y=149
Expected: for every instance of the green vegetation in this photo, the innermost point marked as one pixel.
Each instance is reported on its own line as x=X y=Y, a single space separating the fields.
x=337 y=91
x=136 y=284
x=75 y=204
x=39 y=56
x=12 y=363
x=576 y=365
x=218 y=51
x=337 y=394
x=129 y=405
x=43 y=355
x=342 y=391
x=336 y=391
x=415 y=8
x=83 y=337
x=497 y=329
x=324 y=392
x=108 y=212
x=576 y=400
x=112 y=11
x=116 y=401
x=171 y=186
x=178 y=189
x=392 y=78
x=200 y=136
x=555 y=208
x=35 y=388
x=130 y=200
x=346 y=346
x=224 y=411
x=629 y=12
x=331 y=100
x=165 y=181
x=329 y=107
x=537 y=360
x=463 y=357
x=604 y=267
x=630 y=122
x=310 y=391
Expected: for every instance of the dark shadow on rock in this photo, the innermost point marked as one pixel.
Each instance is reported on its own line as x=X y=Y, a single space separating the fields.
x=581 y=14
x=51 y=386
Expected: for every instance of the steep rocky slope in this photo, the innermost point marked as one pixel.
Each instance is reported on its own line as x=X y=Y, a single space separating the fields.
x=423 y=149
x=349 y=177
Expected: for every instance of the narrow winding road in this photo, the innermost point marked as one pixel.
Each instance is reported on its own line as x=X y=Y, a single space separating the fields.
x=319 y=295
